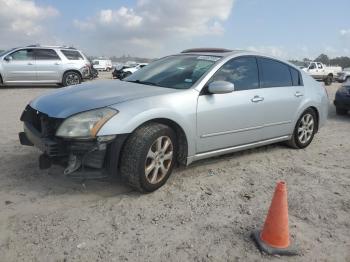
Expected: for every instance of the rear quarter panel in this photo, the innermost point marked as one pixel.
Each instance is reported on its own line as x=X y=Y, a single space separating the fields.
x=315 y=96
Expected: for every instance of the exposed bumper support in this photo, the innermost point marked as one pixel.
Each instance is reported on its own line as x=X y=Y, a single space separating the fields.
x=90 y=156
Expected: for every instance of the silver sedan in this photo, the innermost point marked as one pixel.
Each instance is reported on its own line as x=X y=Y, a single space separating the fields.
x=179 y=109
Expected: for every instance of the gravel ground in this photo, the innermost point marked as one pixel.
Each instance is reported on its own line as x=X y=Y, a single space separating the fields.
x=205 y=212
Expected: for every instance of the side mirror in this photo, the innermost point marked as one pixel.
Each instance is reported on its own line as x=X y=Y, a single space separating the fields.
x=221 y=87
x=8 y=58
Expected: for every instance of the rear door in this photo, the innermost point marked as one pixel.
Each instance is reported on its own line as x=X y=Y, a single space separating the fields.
x=19 y=67
x=48 y=65
x=227 y=120
x=283 y=92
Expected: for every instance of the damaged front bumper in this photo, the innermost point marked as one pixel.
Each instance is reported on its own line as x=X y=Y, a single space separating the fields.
x=81 y=158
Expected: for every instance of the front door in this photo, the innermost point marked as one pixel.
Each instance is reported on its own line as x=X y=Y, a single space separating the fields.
x=19 y=67
x=227 y=120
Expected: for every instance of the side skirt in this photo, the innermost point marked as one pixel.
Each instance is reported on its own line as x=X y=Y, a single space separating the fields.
x=235 y=149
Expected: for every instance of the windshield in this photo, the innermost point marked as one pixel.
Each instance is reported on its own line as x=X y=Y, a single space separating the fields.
x=179 y=72
x=5 y=52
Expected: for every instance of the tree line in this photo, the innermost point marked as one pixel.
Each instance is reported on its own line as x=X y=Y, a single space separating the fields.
x=342 y=61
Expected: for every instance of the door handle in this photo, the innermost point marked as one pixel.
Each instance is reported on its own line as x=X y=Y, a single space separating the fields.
x=29 y=63
x=56 y=63
x=298 y=94
x=257 y=99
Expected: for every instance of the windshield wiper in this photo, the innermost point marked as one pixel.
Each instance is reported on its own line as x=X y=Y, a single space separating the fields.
x=142 y=82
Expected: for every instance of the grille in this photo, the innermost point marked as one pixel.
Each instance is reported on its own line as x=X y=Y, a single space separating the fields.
x=44 y=124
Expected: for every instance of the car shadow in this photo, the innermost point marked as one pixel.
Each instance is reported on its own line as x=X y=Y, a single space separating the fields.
x=22 y=170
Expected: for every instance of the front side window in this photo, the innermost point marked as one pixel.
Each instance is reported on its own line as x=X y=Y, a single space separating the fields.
x=312 y=66
x=22 y=55
x=274 y=73
x=72 y=55
x=46 y=54
x=179 y=71
x=242 y=72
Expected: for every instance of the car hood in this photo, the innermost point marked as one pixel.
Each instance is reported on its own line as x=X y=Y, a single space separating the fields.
x=71 y=100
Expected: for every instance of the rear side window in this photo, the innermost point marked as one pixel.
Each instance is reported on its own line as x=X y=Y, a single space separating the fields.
x=46 y=54
x=274 y=73
x=72 y=55
x=242 y=72
x=296 y=77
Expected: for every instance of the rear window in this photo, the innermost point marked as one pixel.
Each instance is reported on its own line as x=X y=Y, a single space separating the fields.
x=72 y=55
x=274 y=73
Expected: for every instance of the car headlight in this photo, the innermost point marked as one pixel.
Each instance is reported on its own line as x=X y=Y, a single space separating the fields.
x=86 y=124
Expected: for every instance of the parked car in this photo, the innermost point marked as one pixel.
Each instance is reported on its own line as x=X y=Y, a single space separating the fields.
x=118 y=71
x=344 y=76
x=179 y=109
x=342 y=99
x=37 y=64
x=322 y=72
x=102 y=64
x=126 y=70
x=130 y=70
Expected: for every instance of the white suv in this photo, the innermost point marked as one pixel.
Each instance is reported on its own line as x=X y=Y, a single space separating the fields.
x=43 y=65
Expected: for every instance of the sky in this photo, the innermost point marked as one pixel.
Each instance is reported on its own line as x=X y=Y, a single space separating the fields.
x=290 y=29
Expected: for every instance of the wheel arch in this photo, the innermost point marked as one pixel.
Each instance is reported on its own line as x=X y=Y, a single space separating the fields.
x=181 y=137
x=317 y=116
x=71 y=70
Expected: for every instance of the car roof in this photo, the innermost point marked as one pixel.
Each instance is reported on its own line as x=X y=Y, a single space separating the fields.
x=221 y=52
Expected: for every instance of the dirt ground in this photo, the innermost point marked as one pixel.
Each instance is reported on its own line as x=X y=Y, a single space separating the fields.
x=205 y=212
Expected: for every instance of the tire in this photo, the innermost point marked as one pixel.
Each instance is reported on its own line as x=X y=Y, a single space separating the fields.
x=329 y=80
x=341 y=111
x=298 y=141
x=1 y=82
x=143 y=165
x=71 y=78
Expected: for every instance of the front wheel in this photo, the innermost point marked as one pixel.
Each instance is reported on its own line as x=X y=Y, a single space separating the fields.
x=304 y=130
x=148 y=157
x=71 y=78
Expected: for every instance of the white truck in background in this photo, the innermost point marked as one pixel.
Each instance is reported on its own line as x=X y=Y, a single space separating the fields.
x=322 y=72
x=102 y=64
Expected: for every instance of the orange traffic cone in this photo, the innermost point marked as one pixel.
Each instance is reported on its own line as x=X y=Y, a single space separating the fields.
x=274 y=238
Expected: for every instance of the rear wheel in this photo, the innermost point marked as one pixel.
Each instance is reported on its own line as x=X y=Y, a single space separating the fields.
x=329 y=80
x=304 y=130
x=71 y=78
x=341 y=111
x=148 y=157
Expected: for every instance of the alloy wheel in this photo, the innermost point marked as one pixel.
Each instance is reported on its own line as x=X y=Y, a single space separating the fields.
x=72 y=79
x=306 y=128
x=159 y=159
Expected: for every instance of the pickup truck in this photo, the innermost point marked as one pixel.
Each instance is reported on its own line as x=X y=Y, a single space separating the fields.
x=322 y=72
